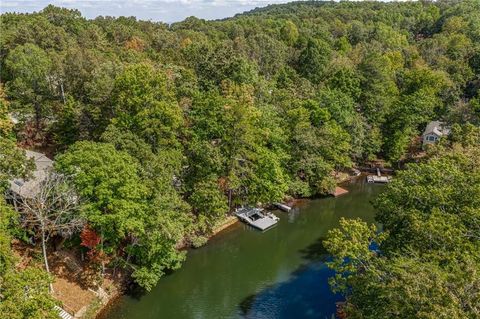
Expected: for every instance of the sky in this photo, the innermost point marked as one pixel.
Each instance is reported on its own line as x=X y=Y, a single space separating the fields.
x=156 y=10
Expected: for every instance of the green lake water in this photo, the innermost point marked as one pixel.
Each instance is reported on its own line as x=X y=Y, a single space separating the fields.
x=244 y=273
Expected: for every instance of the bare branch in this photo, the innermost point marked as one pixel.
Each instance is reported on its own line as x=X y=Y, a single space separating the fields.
x=53 y=210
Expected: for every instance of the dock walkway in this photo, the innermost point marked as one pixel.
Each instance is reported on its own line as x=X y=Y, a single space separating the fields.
x=283 y=207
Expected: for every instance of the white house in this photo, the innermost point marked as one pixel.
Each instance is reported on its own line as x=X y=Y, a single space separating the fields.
x=433 y=132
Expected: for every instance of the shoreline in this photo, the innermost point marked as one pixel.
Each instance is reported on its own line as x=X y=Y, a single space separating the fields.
x=101 y=312
x=228 y=222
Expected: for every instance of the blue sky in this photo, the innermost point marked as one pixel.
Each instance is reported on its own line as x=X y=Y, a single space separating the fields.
x=156 y=10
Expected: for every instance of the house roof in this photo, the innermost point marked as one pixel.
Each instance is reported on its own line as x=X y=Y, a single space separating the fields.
x=437 y=128
x=13 y=118
x=29 y=188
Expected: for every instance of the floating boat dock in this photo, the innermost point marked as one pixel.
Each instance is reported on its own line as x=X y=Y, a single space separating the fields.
x=283 y=207
x=256 y=217
x=378 y=178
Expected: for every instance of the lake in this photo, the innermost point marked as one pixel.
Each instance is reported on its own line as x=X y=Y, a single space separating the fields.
x=244 y=273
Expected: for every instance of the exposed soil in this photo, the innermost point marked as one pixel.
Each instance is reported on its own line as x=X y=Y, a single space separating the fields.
x=73 y=297
x=69 y=286
x=77 y=284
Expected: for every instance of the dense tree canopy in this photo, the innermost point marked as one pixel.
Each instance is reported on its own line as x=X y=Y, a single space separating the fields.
x=164 y=129
x=426 y=262
x=24 y=293
x=123 y=209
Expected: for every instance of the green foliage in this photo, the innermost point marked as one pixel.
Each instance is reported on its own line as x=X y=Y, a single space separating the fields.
x=13 y=161
x=465 y=135
x=314 y=158
x=109 y=179
x=180 y=123
x=289 y=32
x=7 y=222
x=426 y=262
x=208 y=199
x=346 y=81
x=66 y=130
x=402 y=68
x=145 y=105
x=5 y=123
x=29 y=68
x=379 y=90
x=127 y=210
x=350 y=246
x=407 y=288
x=314 y=59
x=23 y=293
x=445 y=204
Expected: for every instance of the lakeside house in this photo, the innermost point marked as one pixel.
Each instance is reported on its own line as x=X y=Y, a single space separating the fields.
x=433 y=132
x=21 y=188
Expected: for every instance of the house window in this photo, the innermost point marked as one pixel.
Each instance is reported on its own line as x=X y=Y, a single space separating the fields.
x=431 y=138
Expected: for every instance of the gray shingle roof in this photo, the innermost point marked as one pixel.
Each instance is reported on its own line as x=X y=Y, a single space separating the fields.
x=437 y=128
x=29 y=188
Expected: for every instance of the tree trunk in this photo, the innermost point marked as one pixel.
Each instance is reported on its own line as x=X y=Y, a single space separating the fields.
x=44 y=250
x=103 y=262
x=63 y=93
x=37 y=113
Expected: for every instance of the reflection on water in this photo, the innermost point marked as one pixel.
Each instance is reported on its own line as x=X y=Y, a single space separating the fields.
x=301 y=296
x=293 y=214
x=243 y=273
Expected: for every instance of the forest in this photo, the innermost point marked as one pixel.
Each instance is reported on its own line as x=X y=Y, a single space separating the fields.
x=160 y=130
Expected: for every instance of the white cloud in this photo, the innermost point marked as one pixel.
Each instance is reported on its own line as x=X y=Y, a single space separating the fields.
x=157 y=10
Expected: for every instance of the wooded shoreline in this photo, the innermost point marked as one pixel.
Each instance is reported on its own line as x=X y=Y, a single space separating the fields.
x=159 y=129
